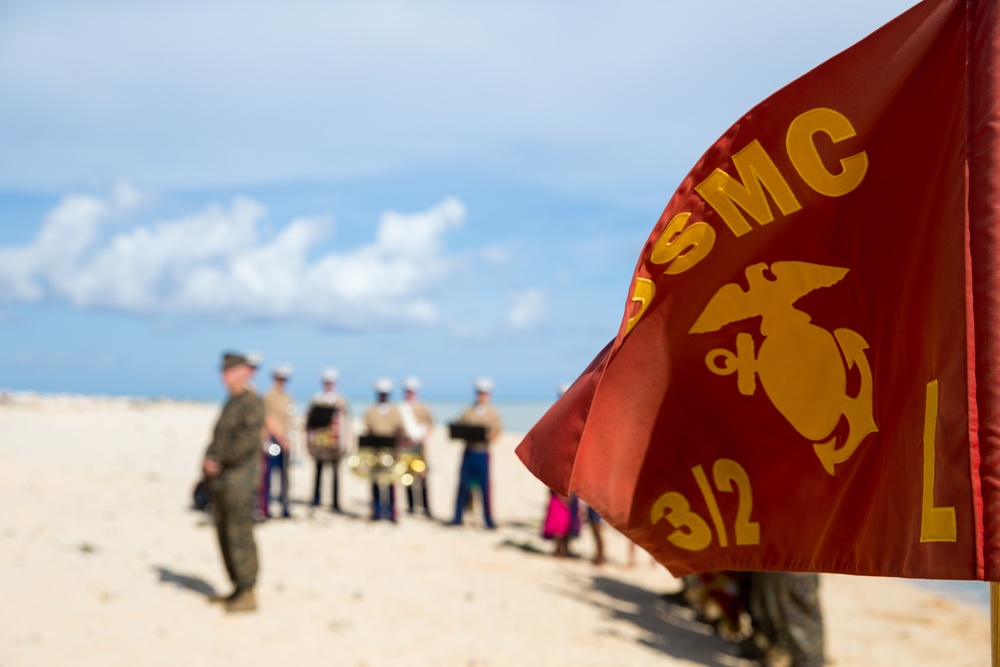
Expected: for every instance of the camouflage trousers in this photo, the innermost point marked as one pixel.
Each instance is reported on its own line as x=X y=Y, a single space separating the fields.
x=234 y=524
x=787 y=622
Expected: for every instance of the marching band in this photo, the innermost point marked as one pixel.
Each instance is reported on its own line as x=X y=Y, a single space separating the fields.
x=386 y=446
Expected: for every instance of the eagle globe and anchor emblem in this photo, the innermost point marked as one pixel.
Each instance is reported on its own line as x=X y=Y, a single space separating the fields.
x=801 y=366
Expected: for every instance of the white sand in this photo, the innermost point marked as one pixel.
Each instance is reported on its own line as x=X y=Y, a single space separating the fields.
x=103 y=563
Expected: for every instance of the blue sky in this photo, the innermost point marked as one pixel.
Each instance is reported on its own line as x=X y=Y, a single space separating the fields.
x=446 y=189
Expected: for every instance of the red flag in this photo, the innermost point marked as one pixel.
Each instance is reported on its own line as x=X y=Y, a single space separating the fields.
x=807 y=373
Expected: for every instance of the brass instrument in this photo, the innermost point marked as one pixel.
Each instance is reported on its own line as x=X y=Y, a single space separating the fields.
x=415 y=464
x=380 y=460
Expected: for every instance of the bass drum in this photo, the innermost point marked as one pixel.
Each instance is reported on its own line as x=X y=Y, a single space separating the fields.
x=323 y=445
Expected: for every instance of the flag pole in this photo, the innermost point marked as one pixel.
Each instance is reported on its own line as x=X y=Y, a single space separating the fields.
x=995 y=622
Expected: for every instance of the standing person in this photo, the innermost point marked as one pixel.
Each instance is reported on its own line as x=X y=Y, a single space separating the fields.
x=327 y=424
x=562 y=519
x=597 y=530
x=476 y=457
x=230 y=465
x=278 y=422
x=417 y=424
x=254 y=360
x=786 y=619
x=383 y=420
x=562 y=522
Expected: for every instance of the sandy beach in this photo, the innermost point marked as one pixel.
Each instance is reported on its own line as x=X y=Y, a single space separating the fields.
x=106 y=564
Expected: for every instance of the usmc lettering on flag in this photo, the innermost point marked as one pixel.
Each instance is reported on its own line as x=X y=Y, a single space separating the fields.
x=793 y=385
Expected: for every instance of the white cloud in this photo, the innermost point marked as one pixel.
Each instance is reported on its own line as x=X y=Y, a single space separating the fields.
x=218 y=263
x=495 y=255
x=127 y=197
x=66 y=232
x=528 y=309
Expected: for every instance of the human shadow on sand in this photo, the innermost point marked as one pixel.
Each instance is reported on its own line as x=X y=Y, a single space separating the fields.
x=185 y=581
x=666 y=629
x=525 y=546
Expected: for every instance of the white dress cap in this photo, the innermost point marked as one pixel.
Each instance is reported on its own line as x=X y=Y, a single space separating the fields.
x=329 y=375
x=254 y=359
x=484 y=385
x=411 y=384
x=383 y=386
x=282 y=371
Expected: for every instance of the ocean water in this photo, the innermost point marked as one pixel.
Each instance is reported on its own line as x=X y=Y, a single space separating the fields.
x=975 y=593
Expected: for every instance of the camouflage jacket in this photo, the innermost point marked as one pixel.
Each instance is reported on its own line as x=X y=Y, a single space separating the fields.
x=236 y=442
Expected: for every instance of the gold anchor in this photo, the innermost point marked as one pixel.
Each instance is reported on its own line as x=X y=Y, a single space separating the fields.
x=802 y=367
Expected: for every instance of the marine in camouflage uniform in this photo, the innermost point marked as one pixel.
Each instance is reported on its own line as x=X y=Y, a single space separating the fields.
x=787 y=621
x=231 y=467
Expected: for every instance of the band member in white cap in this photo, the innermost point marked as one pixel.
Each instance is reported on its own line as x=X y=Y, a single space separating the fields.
x=383 y=419
x=417 y=424
x=278 y=424
x=254 y=360
x=330 y=412
x=476 y=457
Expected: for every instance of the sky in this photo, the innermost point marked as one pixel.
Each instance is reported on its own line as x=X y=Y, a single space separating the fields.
x=442 y=189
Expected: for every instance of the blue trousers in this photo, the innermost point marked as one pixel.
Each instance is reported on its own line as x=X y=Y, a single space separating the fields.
x=475 y=470
x=383 y=508
x=276 y=463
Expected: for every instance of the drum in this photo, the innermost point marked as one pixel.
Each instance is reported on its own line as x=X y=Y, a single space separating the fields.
x=323 y=445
